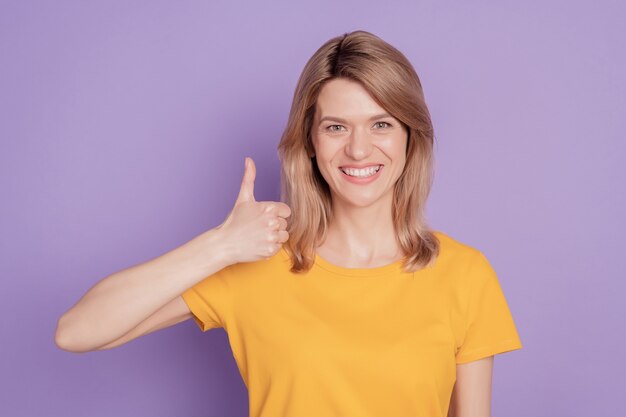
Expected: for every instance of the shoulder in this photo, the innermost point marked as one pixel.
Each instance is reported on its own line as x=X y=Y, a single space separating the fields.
x=263 y=270
x=454 y=253
x=465 y=265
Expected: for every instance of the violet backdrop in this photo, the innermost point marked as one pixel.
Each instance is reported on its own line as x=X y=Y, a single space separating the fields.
x=124 y=127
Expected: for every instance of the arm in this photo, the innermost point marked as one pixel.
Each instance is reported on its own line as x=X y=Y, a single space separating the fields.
x=471 y=396
x=142 y=298
x=147 y=297
x=170 y=314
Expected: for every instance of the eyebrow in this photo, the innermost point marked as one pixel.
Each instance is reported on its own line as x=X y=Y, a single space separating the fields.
x=339 y=119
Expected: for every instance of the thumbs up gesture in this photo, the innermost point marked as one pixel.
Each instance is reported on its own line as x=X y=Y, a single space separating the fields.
x=254 y=229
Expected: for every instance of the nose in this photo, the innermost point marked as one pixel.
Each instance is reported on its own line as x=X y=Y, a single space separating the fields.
x=359 y=145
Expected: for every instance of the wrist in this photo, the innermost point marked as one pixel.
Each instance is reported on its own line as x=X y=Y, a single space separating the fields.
x=216 y=248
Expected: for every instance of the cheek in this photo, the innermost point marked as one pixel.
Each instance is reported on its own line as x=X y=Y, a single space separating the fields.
x=326 y=151
x=326 y=170
x=394 y=146
x=401 y=144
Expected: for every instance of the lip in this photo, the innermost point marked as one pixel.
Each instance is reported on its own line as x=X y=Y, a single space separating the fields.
x=359 y=166
x=361 y=181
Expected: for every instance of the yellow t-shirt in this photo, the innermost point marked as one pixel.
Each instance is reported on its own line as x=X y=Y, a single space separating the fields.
x=356 y=342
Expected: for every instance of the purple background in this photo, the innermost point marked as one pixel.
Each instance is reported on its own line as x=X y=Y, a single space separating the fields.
x=124 y=127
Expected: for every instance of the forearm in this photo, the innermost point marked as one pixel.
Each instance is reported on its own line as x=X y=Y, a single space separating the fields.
x=121 y=301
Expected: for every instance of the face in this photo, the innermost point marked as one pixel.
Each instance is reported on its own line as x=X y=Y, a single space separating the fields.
x=353 y=136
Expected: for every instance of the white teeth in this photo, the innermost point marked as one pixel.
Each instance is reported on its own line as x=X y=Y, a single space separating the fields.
x=362 y=173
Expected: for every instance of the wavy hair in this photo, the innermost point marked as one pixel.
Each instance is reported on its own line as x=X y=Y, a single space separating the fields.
x=391 y=80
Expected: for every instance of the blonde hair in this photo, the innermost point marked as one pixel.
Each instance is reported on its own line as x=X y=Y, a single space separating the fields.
x=391 y=80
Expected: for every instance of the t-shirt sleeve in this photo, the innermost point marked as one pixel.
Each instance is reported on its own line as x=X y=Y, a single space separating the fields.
x=209 y=301
x=489 y=325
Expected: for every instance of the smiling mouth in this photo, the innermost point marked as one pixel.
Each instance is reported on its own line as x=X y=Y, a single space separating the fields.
x=362 y=172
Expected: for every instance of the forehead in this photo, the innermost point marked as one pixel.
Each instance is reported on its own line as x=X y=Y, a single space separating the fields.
x=345 y=98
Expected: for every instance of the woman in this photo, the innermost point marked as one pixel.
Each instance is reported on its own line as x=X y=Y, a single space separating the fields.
x=338 y=300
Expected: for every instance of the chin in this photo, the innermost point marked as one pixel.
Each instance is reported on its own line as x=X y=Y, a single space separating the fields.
x=359 y=201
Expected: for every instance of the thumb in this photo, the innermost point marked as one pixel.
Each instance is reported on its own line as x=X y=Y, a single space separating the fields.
x=246 y=192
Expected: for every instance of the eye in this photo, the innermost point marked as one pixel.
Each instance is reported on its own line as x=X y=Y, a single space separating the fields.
x=331 y=128
x=385 y=124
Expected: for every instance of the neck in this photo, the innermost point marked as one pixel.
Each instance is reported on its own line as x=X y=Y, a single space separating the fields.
x=362 y=235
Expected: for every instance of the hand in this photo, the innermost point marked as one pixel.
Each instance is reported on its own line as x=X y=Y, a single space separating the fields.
x=254 y=229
